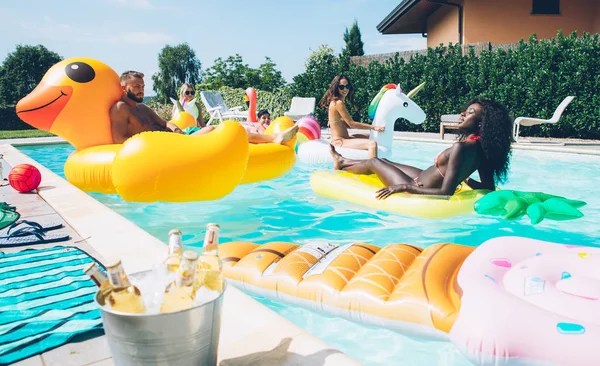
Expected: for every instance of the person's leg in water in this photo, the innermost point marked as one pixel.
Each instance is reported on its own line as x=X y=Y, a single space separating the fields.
x=357 y=143
x=277 y=138
x=387 y=173
x=253 y=138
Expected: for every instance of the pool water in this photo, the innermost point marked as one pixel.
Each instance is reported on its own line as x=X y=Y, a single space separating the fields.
x=286 y=209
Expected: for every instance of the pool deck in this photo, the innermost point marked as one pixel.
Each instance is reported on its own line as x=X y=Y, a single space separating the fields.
x=251 y=334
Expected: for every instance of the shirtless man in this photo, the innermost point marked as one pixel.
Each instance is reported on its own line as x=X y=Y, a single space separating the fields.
x=129 y=116
x=340 y=120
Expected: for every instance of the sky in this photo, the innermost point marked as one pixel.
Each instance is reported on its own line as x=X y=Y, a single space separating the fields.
x=129 y=34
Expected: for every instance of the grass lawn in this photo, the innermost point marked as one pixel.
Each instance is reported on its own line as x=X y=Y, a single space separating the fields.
x=19 y=134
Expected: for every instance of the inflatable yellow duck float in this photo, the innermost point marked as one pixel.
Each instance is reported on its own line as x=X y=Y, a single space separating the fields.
x=73 y=101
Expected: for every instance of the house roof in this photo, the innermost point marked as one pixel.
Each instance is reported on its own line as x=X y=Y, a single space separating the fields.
x=410 y=16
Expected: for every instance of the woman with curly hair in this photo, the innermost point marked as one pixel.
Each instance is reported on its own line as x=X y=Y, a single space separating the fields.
x=483 y=145
x=340 y=120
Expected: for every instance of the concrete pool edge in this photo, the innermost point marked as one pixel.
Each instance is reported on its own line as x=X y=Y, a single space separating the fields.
x=250 y=331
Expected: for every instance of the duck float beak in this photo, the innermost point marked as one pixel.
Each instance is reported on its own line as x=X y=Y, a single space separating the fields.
x=41 y=107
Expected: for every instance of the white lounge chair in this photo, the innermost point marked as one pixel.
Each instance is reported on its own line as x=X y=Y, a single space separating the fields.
x=528 y=121
x=448 y=122
x=300 y=107
x=217 y=109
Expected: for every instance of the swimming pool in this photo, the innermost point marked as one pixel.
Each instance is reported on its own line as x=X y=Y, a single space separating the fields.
x=286 y=209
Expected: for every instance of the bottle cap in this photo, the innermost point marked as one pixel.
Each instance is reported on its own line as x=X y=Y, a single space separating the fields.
x=213 y=225
x=190 y=255
x=175 y=232
x=113 y=264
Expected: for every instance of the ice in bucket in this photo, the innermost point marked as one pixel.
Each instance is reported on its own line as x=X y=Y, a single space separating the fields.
x=182 y=281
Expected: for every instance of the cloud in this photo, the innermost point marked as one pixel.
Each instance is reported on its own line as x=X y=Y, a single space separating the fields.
x=399 y=43
x=144 y=4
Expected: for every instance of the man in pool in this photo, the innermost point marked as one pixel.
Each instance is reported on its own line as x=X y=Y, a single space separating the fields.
x=129 y=116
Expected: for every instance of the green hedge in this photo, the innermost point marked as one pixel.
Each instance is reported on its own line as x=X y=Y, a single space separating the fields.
x=276 y=102
x=531 y=80
x=9 y=120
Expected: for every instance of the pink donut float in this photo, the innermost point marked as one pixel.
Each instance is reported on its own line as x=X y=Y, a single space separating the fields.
x=529 y=302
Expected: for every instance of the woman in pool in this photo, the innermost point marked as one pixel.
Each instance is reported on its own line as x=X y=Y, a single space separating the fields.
x=340 y=120
x=186 y=94
x=484 y=145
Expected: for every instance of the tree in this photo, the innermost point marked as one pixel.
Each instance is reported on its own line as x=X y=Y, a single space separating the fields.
x=322 y=66
x=230 y=72
x=234 y=73
x=269 y=77
x=354 y=43
x=22 y=71
x=176 y=65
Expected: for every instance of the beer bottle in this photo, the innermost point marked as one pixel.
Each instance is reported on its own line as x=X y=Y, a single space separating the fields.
x=179 y=295
x=175 y=251
x=209 y=264
x=99 y=278
x=124 y=297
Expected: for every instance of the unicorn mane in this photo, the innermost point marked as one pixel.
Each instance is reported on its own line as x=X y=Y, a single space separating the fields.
x=377 y=99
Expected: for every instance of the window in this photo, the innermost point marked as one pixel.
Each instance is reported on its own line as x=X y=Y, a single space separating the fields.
x=551 y=7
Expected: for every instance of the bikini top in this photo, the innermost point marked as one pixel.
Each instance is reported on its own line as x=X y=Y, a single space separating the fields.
x=435 y=160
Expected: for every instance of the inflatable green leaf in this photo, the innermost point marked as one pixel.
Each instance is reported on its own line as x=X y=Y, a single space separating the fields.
x=511 y=205
x=536 y=213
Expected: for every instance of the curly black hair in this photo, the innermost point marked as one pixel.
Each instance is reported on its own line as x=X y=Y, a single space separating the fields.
x=496 y=136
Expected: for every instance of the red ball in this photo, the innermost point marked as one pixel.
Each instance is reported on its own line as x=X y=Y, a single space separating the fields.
x=24 y=178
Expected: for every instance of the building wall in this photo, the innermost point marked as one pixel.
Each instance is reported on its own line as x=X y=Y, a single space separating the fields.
x=508 y=21
x=442 y=26
x=596 y=26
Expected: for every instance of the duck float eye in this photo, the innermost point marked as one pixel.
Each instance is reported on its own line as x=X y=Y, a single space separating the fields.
x=80 y=72
x=405 y=104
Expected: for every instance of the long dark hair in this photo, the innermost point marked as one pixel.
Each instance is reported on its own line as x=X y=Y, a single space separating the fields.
x=496 y=136
x=334 y=92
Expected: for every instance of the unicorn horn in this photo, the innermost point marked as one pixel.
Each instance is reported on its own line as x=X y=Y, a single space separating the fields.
x=414 y=92
x=177 y=104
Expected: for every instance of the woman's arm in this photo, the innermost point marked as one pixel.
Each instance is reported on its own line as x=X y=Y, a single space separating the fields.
x=341 y=108
x=200 y=119
x=487 y=180
x=161 y=123
x=458 y=157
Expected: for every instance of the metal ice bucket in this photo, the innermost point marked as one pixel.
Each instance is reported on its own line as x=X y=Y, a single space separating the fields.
x=187 y=337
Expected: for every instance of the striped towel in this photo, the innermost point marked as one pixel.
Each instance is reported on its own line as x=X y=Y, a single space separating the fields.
x=45 y=300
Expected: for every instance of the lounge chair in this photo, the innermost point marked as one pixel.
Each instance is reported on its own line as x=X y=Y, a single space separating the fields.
x=450 y=122
x=217 y=109
x=528 y=121
x=300 y=107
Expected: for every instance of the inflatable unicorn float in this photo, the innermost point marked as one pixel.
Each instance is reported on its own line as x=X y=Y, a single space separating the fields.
x=388 y=105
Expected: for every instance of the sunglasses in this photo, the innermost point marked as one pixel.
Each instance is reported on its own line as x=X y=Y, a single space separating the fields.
x=187 y=92
x=342 y=87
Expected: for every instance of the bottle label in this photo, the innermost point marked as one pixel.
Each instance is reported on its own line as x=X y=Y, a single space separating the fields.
x=118 y=279
x=185 y=275
x=211 y=238
x=98 y=276
x=175 y=244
